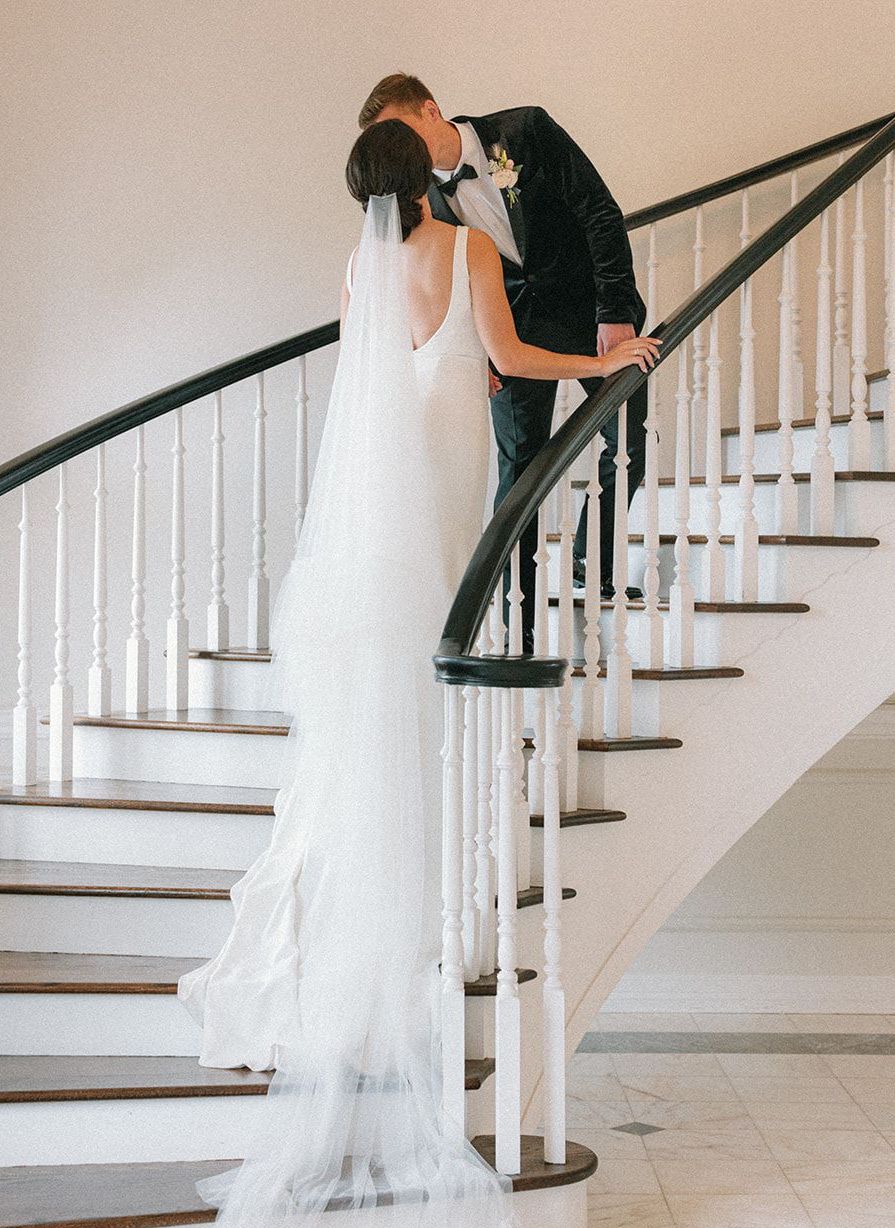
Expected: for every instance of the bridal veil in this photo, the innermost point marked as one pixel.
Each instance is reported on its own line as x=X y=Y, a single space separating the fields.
x=353 y=1118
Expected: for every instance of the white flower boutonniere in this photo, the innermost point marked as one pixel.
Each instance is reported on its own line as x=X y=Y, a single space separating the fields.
x=505 y=173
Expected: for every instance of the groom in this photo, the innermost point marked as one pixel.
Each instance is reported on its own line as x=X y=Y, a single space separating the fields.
x=567 y=270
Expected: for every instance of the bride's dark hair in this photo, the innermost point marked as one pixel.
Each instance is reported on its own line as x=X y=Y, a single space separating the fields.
x=391 y=157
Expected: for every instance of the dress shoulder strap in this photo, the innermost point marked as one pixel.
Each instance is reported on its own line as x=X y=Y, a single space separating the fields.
x=349 y=272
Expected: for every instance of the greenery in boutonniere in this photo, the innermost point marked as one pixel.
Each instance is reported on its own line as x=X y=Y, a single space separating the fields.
x=505 y=173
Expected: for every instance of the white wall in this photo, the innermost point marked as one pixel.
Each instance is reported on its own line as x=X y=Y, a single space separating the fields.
x=172 y=195
x=800 y=914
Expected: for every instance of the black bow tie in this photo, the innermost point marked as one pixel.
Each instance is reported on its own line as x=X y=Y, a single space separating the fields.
x=449 y=186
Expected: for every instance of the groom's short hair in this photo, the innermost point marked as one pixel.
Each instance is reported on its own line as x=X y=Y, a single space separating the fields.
x=399 y=90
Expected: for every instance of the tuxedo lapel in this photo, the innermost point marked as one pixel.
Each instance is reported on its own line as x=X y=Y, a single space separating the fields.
x=492 y=133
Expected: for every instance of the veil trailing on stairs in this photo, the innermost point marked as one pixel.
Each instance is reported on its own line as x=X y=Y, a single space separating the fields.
x=344 y=907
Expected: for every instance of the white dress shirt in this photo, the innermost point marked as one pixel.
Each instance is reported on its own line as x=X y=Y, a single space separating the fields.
x=478 y=202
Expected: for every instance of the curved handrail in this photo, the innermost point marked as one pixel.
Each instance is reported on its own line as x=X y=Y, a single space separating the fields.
x=756 y=174
x=453 y=662
x=53 y=452
x=99 y=430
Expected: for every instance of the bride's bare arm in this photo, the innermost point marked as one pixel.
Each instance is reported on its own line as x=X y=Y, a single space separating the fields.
x=497 y=329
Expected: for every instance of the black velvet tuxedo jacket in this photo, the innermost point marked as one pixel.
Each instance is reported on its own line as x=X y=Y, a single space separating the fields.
x=576 y=269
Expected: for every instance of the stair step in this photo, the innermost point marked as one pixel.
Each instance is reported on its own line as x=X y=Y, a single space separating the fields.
x=23 y=877
x=99 y=794
x=52 y=973
x=42 y=1079
x=693 y=673
x=155 y=1195
x=732 y=479
x=873 y=415
x=582 y=817
x=727 y=539
x=706 y=607
x=613 y=744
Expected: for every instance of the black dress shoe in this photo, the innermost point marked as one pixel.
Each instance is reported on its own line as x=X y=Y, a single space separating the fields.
x=607 y=590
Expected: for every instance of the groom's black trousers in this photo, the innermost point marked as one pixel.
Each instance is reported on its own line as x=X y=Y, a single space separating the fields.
x=522 y=414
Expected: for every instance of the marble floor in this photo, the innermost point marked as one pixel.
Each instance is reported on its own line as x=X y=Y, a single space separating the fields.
x=738 y=1121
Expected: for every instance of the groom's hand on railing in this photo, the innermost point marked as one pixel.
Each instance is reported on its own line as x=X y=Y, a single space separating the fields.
x=611 y=335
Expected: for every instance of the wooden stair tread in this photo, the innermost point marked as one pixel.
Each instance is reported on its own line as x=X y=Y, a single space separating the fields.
x=765 y=539
x=873 y=415
x=80 y=878
x=732 y=479
x=41 y=1079
x=582 y=817
x=101 y=794
x=155 y=1195
x=194 y=720
x=708 y=607
x=693 y=673
x=52 y=972
x=613 y=744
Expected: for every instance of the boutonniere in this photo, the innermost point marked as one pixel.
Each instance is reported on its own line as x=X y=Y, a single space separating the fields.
x=505 y=173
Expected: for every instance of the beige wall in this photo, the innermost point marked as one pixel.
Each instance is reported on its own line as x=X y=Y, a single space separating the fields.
x=172 y=189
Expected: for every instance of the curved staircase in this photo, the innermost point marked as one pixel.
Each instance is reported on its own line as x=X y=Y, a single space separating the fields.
x=115 y=869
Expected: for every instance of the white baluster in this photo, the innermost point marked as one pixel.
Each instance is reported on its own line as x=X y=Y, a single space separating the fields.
x=542 y=648
x=714 y=577
x=592 y=692
x=24 y=716
x=554 y=995
x=859 y=424
x=823 y=480
x=301 y=446
x=178 y=643
x=798 y=367
x=218 y=610
x=746 y=534
x=786 y=494
x=652 y=649
x=453 y=1003
x=889 y=351
x=137 y=669
x=487 y=830
x=888 y=205
x=568 y=733
x=700 y=353
x=61 y=710
x=841 y=358
x=259 y=584
x=520 y=803
x=507 y=1021
x=681 y=597
x=619 y=666
x=470 y=831
x=99 y=676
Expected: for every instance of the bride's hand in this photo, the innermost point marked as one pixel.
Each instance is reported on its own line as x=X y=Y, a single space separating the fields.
x=636 y=351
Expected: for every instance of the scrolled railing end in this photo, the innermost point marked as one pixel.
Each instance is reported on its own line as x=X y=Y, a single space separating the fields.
x=456 y=669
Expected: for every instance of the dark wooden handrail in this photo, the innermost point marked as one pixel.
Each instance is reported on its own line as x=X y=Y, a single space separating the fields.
x=452 y=661
x=53 y=452
x=99 y=430
x=757 y=174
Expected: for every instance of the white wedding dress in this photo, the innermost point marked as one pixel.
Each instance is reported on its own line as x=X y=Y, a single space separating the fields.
x=330 y=972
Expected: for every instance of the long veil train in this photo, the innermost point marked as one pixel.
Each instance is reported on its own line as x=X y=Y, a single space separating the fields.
x=344 y=907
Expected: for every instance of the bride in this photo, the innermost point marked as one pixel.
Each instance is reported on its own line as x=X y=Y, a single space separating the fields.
x=330 y=973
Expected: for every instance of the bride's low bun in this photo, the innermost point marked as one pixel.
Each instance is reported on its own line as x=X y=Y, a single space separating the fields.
x=390 y=157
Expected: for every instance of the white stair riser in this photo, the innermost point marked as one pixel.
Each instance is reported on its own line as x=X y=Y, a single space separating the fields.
x=129 y=925
x=168 y=1128
x=129 y=1024
x=179 y=756
x=228 y=684
x=108 y=925
x=804 y=439
x=133 y=837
